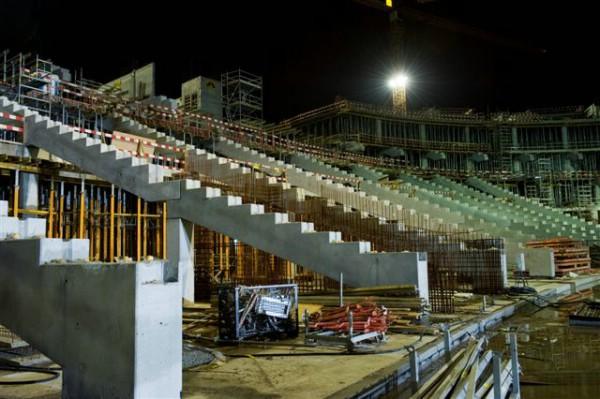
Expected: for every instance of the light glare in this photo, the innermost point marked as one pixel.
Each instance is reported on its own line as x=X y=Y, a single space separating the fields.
x=397 y=81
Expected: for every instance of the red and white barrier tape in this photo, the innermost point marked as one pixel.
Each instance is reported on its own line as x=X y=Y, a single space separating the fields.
x=11 y=128
x=119 y=136
x=6 y=115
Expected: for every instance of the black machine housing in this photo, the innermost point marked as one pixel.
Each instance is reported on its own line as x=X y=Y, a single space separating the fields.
x=257 y=311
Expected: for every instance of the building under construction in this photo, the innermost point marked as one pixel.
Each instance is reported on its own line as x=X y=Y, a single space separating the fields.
x=351 y=229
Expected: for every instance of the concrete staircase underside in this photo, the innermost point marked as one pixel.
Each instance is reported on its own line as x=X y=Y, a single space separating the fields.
x=323 y=252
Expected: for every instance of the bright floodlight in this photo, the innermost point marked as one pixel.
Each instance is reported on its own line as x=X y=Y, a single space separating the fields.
x=398 y=81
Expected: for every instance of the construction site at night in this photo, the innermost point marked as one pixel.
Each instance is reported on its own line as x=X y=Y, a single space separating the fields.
x=236 y=238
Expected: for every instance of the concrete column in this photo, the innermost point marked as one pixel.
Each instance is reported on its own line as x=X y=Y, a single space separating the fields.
x=424 y=161
x=470 y=165
x=517 y=166
x=29 y=195
x=378 y=129
x=567 y=164
x=596 y=208
x=467 y=134
x=565 y=136
x=422 y=133
x=180 y=255
x=515 y=138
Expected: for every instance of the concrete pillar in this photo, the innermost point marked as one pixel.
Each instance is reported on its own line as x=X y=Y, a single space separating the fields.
x=596 y=208
x=29 y=194
x=467 y=134
x=517 y=166
x=565 y=136
x=424 y=161
x=567 y=165
x=378 y=129
x=422 y=133
x=515 y=138
x=180 y=255
x=470 y=165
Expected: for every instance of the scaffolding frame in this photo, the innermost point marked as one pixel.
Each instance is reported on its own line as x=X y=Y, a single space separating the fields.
x=242 y=94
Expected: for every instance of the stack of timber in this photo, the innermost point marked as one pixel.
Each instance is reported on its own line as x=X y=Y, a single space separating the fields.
x=200 y=319
x=569 y=255
x=468 y=374
x=595 y=254
x=576 y=297
x=588 y=314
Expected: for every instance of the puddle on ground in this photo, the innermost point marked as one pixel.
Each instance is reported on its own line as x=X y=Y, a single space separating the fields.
x=557 y=360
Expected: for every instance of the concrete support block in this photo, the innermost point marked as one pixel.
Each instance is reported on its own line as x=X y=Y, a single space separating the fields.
x=3 y=208
x=115 y=329
x=8 y=226
x=540 y=262
x=180 y=255
x=27 y=228
x=32 y=227
x=29 y=196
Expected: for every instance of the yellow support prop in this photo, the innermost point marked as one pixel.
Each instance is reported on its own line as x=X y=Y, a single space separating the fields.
x=61 y=210
x=111 y=228
x=81 y=214
x=16 y=202
x=138 y=223
x=164 y=231
x=51 y=213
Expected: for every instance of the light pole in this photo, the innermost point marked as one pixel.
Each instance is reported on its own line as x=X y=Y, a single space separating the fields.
x=398 y=85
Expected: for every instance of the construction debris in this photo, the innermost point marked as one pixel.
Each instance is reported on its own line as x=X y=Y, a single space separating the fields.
x=470 y=373
x=366 y=317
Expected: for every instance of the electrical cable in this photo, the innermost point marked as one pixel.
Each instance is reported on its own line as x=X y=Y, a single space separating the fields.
x=339 y=353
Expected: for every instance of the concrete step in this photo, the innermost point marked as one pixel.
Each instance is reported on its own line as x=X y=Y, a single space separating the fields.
x=226 y=214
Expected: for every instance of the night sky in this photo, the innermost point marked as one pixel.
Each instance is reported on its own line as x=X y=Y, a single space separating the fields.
x=310 y=51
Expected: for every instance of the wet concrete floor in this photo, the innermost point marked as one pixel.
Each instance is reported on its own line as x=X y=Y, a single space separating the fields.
x=557 y=360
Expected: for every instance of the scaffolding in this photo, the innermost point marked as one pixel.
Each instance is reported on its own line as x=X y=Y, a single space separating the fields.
x=242 y=94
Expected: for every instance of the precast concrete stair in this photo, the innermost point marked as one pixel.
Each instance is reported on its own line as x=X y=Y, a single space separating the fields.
x=377 y=191
x=426 y=197
x=423 y=201
x=496 y=223
x=322 y=252
x=224 y=170
x=507 y=196
x=128 y=125
x=545 y=224
x=419 y=201
x=309 y=163
x=372 y=198
x=368 y=173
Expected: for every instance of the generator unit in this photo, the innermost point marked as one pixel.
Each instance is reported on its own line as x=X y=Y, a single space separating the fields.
x=257 y=311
